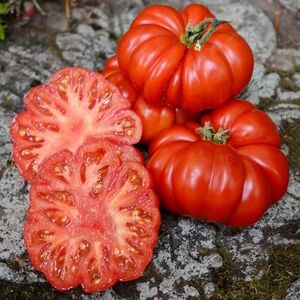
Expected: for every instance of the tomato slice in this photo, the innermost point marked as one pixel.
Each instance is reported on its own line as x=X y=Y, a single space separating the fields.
x=74 y=106
x=93 y=218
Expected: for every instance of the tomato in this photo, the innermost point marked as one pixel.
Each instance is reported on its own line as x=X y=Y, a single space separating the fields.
x=93 y=218
x=75 y=106
x=229 y=171
x=112 y=73
x=155 y=118
x=185 y=58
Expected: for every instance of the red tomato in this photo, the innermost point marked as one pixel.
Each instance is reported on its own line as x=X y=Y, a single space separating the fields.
x=75 y=106
x=155 y=118
x=93 y=218
x=231 y=181
x=185 y=58
x=113 y=73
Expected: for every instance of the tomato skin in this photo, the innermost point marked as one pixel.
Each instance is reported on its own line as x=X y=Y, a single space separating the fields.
x=232 y=183
x=112 y=73
x=155 y=118
x=153 y=57
x=93 y=217
x=74 y=106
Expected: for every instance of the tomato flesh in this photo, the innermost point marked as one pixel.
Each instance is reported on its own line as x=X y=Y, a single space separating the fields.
x=76 y=105
x=93 y=218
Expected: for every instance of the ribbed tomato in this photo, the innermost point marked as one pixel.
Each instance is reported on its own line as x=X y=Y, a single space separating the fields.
x=155 y=118
x=75 y=106
x=229 y=171
x=185 y=58
x=93 y=217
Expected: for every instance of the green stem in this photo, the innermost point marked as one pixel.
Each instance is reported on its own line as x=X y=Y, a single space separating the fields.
x=208 y=134
x=38 y=7
x=200 y=33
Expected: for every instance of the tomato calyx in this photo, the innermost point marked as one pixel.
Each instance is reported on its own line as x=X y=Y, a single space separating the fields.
x=200 y=33
x=208 y=133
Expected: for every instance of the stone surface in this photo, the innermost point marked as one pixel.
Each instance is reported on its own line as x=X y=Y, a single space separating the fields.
x=285 y=61
x=262 y=85
x=293 y=5
x=86 y=47
x=294 y=291
x=193 y=259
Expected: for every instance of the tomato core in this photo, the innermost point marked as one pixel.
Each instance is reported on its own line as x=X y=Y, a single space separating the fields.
x=200 y=33
x=208 y=133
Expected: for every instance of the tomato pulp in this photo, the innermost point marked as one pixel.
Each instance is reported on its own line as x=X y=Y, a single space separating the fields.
x=93 y=218
x=75 y=107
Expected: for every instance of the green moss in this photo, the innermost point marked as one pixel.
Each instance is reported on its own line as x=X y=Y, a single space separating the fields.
x=7 y=103
x=277 y=274
x=8 y=164
x=281 y=73
x=288 y=84
x=197 y=283
x=290 y=136
x=265 y=103
x=41 y=291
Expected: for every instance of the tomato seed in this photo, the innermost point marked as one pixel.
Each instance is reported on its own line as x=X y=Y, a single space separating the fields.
x=127 y=124
x=22 y=132
x=65 y=220
x=26 y=152
x=99 y=186
x=117 y=252
x=106 y=104
x=35 y=167
x=97 y=280
x=129 y=132
x=84 y=245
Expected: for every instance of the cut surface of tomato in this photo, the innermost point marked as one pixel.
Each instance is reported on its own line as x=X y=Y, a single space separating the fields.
x=76 y=105
x=93 y=218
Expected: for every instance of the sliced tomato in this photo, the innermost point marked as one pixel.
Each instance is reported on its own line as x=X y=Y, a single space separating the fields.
x=74 y=106
x=93 y=218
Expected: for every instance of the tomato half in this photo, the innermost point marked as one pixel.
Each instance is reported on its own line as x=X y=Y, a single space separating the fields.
x=93 y=218
x=185 y=58
x=155 y=118
x=231 y=171
x=75 y=106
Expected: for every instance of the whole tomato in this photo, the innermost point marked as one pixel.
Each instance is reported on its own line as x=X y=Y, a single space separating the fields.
x=228 y=171
x=155 y=118
x=113 y=73
x=185 y=58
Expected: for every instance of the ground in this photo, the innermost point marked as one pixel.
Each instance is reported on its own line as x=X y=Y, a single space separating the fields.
x=193 y=259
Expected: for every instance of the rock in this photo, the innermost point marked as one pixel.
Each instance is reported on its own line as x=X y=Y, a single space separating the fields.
x=262 y=85
x=284 y=61
x=253 y=25
x=284 y=111
x=287 y=95
x=293 y=293
x=296 y=79
x=86 y=47
x=115 y=19
x=293 y=5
